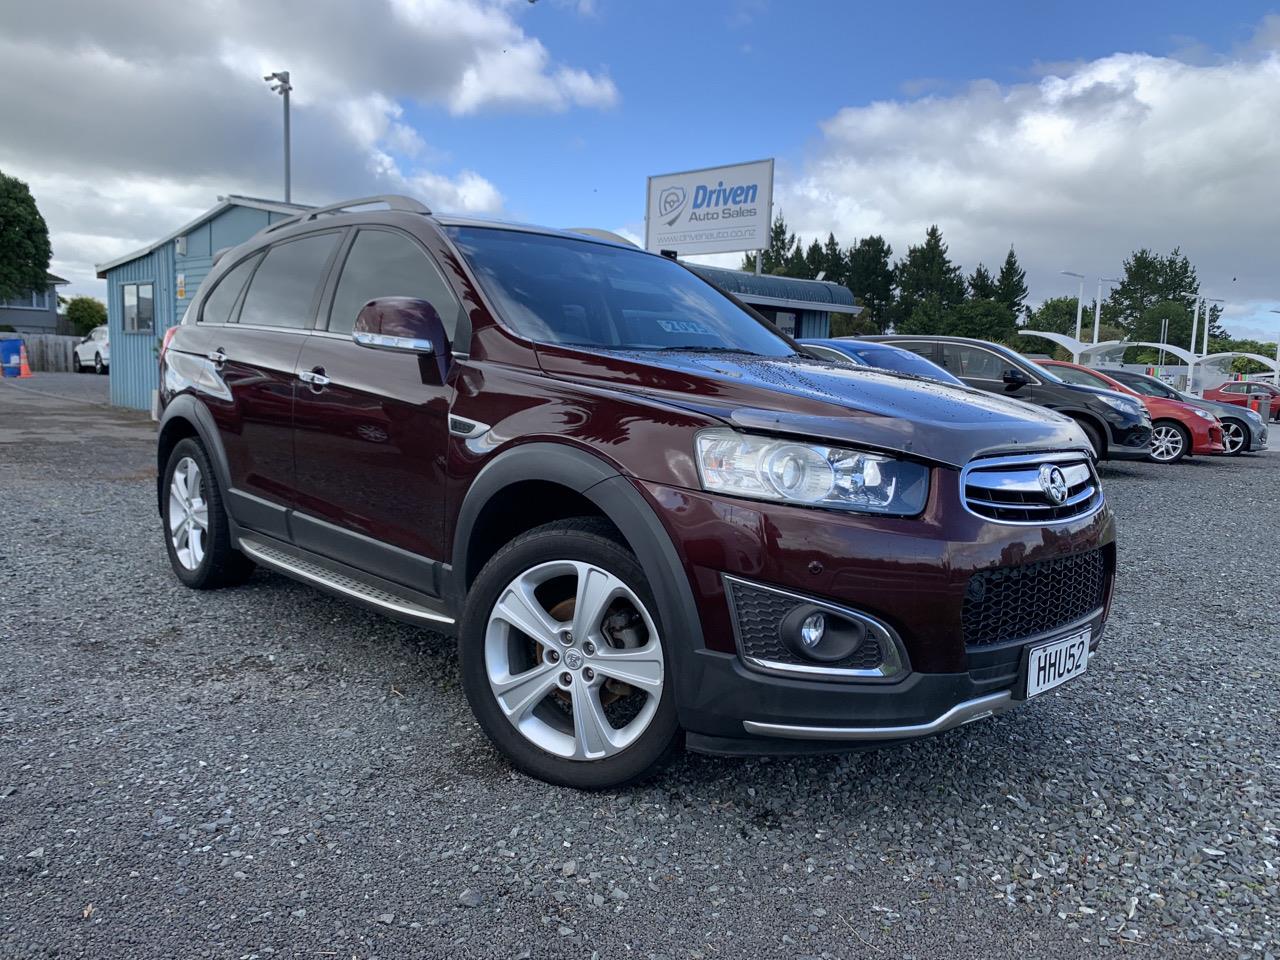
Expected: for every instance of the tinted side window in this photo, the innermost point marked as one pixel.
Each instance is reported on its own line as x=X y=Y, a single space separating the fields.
x=922 y=349
x=283 y=291
x=1072 y=375
x=972 y=362
x=217 y=306
x=385 y=264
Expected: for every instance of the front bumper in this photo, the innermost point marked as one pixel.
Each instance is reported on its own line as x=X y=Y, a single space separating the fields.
x=909 y=574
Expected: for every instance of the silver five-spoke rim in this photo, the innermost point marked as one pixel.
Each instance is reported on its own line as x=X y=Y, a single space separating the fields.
x=574 y=660
x=188 y=513
x=1166 y=443
x=1232 y=437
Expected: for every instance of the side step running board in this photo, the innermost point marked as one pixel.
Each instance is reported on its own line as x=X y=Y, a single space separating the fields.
x=302 y=569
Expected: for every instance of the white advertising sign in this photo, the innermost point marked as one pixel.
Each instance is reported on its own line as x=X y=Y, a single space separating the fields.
x=716 y=210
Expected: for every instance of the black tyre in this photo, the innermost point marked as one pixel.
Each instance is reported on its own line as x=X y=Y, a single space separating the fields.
x=196 y=532
x=564 y=660
x=1095 y=439
x=76 y=365
x=98 y=365
x=1235 y=436
x=1170 y=442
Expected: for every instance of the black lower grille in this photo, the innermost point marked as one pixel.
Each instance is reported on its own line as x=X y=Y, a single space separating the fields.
x=1013 y=603
x=758 y=616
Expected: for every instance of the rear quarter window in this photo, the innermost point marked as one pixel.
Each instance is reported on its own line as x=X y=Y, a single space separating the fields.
x=222 y=298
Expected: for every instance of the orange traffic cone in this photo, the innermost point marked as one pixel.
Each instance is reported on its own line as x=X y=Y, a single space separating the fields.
x=24 y=368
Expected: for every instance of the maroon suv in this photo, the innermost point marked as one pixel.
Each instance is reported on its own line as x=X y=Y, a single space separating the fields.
x=648 y=517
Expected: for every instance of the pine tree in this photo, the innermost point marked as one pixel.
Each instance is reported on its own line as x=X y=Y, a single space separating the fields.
x=814 y=260
x=833 y=261
x=927 y=273
x=870 y=277
x=1011 y=285
x=981 y=284
x=1149 y=281
x=781 y=246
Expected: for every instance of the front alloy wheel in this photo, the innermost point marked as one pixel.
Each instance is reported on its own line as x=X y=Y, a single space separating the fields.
x=573 y=660
x=1169 y=443
x=1233 y=437
x=563 y=658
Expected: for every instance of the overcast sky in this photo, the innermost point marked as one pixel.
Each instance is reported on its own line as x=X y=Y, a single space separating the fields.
x=1076 y=134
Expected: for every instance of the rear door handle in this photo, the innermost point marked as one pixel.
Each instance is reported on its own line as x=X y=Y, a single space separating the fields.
x=217 y=356
x=315 y=376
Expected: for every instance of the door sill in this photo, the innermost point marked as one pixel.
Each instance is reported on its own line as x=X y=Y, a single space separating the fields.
x=346 y=582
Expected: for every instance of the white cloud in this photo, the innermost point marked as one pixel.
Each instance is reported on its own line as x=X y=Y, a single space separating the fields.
x=134 y=117
x=1076 y=170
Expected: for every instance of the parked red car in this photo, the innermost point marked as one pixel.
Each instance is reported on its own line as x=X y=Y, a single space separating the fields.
x=1177 y=429
x=1241 y=393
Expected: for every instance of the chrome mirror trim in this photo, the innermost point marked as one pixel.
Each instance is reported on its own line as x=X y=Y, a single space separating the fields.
x=381 y=341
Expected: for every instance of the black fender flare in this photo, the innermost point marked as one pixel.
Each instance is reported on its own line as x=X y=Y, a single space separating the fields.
x=187 y=408
x=617 y=498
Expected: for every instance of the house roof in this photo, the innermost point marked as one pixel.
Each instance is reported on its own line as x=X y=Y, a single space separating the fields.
x=790 y=293
x=224 y=203
x=56 y=280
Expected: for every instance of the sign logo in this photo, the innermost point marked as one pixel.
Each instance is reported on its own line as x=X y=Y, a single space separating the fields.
x=1053 y=483
x=671 y=203
x=572 y=659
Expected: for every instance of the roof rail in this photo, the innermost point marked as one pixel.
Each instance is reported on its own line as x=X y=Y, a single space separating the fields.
x=392 y=200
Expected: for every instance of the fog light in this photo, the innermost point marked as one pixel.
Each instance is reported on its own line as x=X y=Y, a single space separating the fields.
x=811 y=631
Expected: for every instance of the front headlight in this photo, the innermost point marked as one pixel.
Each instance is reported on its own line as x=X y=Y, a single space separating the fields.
x=812 y=474
x=1205 y=415
x=1123 y=404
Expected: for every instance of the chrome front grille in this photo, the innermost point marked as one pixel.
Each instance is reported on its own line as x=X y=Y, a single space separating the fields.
x=1032 y=488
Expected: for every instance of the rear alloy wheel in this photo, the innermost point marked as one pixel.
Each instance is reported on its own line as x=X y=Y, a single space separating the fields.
x=1170 y=442
x=1233 y=437
x=196 y=527
x=563 y=659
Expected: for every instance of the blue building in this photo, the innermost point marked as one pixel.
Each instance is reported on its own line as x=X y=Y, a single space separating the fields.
x=801 y=308
x=149 y=290
x=35 y=312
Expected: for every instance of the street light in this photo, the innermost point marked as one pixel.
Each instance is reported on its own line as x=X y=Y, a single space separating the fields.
x=1097 y=306
x=1079 y=300
x=280 y=84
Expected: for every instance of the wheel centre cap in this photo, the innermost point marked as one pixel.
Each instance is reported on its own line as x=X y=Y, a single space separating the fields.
x=573 y=659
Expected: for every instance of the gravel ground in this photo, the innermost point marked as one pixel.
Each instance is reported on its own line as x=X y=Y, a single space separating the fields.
x=269 y=772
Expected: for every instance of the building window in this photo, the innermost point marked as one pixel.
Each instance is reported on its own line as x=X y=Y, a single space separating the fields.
x=31 y=301
x=139 y=307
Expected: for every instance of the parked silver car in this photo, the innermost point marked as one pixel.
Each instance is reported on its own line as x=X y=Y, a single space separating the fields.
x=1243 y=430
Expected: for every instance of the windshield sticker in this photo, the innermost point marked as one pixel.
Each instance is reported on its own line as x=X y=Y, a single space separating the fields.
x=686 y=326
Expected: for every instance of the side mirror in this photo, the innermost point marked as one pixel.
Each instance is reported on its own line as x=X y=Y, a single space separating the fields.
x=406 y=325
x=1015 y=378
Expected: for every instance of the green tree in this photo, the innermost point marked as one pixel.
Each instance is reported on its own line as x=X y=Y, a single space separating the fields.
x=984 y=319
x=814 y=261
x=982 y=286
x=1011 y=285
x=24 y=241
x=85 y=313
x=834 y=262
x=926 y=273
x=1151 y=280
x=782 y=245
x=870 y=277
x=929 y=315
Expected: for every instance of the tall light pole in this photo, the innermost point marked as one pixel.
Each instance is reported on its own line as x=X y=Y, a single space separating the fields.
x=280 y=84
x=1079 y=300
x=1097 y=306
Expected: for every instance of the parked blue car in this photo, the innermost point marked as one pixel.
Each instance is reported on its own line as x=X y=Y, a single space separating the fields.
x=879 y=355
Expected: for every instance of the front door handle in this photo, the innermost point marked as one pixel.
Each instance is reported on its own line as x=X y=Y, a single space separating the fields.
x=315 y=376
x=217 y=356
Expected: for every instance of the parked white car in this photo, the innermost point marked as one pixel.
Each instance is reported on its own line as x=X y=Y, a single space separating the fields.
x=92 y=353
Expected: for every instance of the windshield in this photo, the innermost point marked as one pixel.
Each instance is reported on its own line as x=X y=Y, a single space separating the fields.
x=903 y=361
x=585 y=294
x=1151 y=388
x=1045 y=372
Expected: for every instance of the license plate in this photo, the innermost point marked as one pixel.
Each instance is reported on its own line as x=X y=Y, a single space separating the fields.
x=1052 y=664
